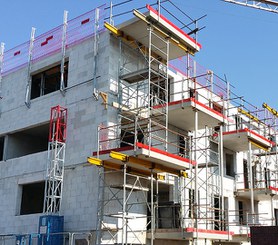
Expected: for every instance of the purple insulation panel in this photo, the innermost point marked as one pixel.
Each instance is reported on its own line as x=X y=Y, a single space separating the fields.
x=201 y=75
x=49 y=43
x=15 y=58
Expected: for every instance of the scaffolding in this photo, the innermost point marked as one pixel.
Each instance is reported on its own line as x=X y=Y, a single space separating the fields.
x=127 y=223
x=260 y=177
x=170 y=105
x=143 y=116
x=143 y=105
x=203 y=205
x=145 y=93
x=257 y=179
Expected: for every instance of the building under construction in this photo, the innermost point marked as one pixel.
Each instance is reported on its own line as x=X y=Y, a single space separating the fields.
x=111 y=133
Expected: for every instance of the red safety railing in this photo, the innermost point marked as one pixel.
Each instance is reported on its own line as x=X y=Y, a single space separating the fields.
x=15 y=58
x=191 y=69
x=82 y=27
x=49 y=43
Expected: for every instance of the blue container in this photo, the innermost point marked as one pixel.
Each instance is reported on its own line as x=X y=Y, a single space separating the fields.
x=48 y=226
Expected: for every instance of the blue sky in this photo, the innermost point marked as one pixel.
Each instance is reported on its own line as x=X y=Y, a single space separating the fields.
x=238 y=41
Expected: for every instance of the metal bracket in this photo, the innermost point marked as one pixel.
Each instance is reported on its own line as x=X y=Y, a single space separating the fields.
x=104 y=97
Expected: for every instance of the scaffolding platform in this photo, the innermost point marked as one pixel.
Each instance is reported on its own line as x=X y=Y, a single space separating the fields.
x=141 y=75
x=191 y=233
x=181 y=114
x=130 y=187
x=136 y=76
x=145 y=159
x=137 y=29
x=238 y=140
x=209 y=164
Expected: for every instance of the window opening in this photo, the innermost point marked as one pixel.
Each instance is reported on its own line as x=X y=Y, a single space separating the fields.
x=245 y=174
x=48 y=81
x=28 y=141
x=241 y=213
x=267 y=177
x=2 y=140
x=238 y=121
x=230 y=171
x=32 y=198
x=183 y=147
x=276 y=216
x=217 y=223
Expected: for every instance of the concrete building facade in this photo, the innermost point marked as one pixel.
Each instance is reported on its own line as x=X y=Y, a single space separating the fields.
x=198 y=167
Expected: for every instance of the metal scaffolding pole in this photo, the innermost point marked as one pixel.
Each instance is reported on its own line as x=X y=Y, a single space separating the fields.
x=100 y=205
x=2 y=47
x=96 y=43
x=196 y=189
x=111 y=14
x=149 y=90
x=152 y=210
x=272 y=210
x=124 y=218
x=222 y=174
x=206 y=172
x=251 y=181
x=166 y=96
x=29 y=78
x=64 y=42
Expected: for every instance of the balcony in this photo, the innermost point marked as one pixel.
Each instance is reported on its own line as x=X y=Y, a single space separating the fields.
x=265 y=185
x=145 y=151
x=145 y=158
x=138 y=29
x=242 y=220
x=238 y=140
x=181 y=114
x=204 y=93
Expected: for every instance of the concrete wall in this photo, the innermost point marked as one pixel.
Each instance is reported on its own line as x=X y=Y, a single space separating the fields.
x=80 y=198
x=84 y=114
